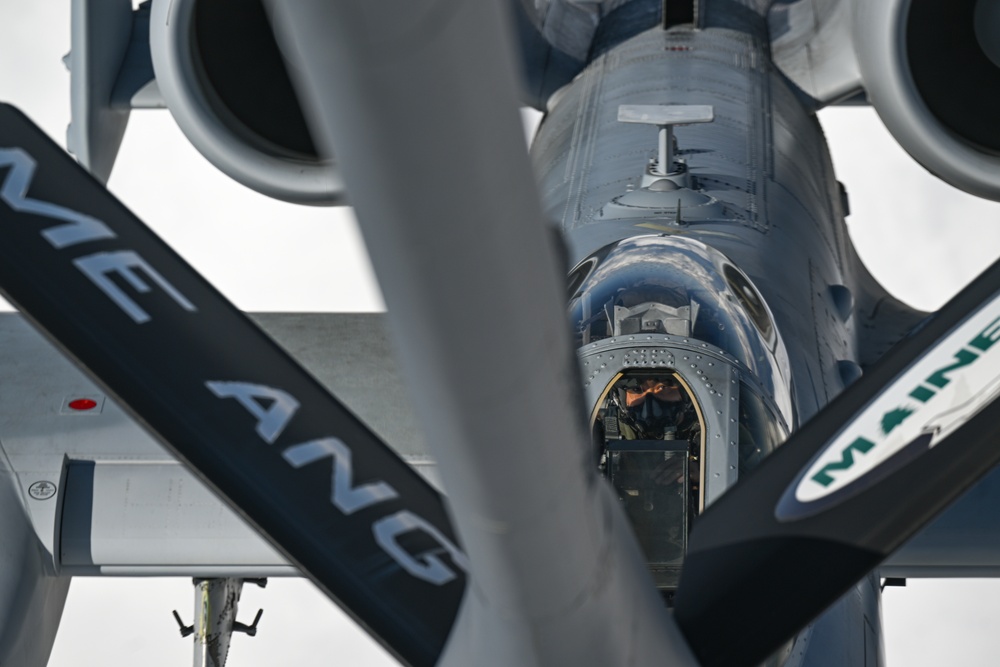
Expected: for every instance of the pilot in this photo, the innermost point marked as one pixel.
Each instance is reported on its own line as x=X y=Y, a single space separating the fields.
x=652 y=485
x=651 y=409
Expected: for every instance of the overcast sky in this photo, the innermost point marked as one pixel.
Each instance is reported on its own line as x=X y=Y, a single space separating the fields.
x=921 y=238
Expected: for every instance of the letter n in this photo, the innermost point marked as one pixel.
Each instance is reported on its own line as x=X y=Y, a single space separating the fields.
x=962 y=357
x=343 y=494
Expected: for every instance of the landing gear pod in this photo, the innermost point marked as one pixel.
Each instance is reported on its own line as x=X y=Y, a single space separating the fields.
x=222 y=76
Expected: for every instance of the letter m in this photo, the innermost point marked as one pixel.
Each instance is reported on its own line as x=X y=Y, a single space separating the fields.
x=824 y=478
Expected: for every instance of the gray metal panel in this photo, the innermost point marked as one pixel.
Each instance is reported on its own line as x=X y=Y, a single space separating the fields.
x=136 y=85
x=348 y=353
x=812 y=44
x=848 y=632
x=101 y=31
x=962 y=542
x=31 y=596
x=585 y=157
x=352 y=356
x=151 y=514
x=194 y=571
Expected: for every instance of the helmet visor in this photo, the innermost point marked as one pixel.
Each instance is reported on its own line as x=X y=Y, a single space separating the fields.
x=664 y=391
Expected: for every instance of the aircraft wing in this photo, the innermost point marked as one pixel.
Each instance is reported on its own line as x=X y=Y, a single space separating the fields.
x=106 y=498
x=129 y=508
x=963 y=542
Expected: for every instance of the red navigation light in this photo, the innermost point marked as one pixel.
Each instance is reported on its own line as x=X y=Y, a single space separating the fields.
x=83 y=404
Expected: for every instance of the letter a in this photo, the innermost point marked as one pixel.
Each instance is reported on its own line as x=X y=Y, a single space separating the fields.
x=270 y=421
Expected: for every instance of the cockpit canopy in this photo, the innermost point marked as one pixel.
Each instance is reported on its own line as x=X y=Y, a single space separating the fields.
x=681 y=287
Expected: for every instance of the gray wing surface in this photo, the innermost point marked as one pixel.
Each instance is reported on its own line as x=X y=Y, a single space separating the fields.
x=105 y=498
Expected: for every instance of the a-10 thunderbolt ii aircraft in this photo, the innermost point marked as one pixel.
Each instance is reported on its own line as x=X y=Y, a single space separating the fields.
x=717 y=310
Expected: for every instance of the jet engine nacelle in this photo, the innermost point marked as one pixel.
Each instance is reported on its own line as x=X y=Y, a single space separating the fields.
x=932 y=71
x=222 y=76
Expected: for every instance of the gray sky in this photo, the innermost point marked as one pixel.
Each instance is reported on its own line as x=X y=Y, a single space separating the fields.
x=921 y=238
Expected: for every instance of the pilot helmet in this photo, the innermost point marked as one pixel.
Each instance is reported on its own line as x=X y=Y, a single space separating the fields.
x=654 y=406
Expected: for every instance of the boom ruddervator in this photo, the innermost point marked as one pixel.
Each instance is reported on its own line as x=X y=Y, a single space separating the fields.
x=687 y=379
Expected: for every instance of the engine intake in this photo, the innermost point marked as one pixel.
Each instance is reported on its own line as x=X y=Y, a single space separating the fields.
x=931 y=71
x=222 y=76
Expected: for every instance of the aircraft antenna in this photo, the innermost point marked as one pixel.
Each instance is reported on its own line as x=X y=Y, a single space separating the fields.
x=665 y=117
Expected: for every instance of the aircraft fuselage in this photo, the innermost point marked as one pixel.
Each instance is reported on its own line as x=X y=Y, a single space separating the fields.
x=761 y=190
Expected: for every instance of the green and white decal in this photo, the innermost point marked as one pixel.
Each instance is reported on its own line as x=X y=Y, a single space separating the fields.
x=933 y=398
